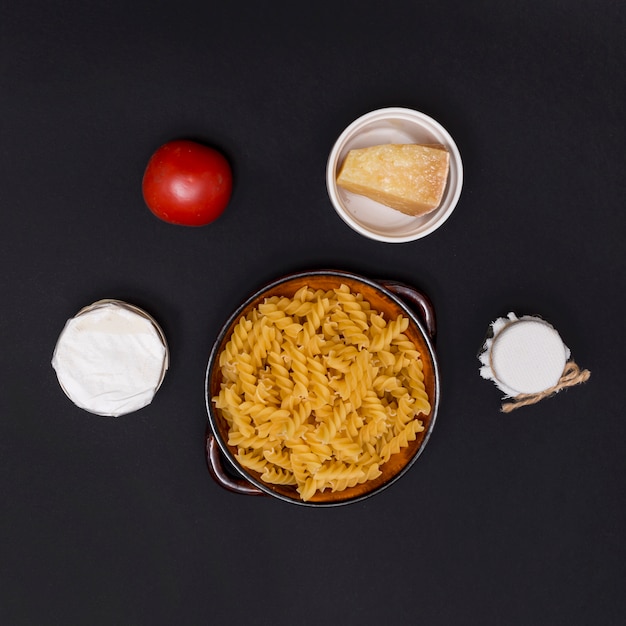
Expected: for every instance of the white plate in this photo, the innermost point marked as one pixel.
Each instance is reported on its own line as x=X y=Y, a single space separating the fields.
x=370 y=218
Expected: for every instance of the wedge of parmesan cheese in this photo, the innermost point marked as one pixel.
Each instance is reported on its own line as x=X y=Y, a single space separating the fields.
x=407 y=177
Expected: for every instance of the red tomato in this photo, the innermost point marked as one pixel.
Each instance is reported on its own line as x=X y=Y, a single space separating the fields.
x=187 y=183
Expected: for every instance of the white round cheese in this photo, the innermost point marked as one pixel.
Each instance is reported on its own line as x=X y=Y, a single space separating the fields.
x=110 y=359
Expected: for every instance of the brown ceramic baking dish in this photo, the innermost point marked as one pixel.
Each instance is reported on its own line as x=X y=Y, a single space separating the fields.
x=389 y=297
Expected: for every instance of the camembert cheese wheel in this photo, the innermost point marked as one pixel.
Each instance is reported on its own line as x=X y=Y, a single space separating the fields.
x=407 y=177
x=111 y=358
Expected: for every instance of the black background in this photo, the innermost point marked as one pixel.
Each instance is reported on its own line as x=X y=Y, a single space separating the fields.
x=505 y=519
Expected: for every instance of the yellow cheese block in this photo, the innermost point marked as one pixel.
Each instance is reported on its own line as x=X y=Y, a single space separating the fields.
x=407 y=177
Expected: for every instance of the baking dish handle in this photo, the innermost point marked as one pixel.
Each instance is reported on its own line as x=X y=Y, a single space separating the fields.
x=219 y=473
x=416 y=298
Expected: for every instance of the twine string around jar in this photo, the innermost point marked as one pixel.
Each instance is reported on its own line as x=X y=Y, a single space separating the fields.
x=572 y=375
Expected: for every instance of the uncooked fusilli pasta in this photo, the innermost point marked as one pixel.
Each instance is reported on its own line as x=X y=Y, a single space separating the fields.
x=319 y=390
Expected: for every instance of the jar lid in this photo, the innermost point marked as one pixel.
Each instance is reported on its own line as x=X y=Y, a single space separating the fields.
x=526 y=359
x=523 y=355
x=111 y=358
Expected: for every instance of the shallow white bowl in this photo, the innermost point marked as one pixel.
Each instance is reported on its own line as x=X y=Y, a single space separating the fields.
x=370 y=218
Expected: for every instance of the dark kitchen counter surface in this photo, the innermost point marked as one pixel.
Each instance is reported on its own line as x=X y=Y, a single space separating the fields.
x=505 y=519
